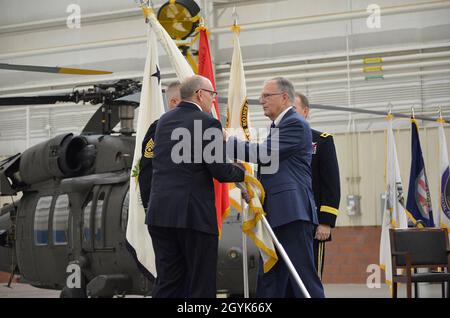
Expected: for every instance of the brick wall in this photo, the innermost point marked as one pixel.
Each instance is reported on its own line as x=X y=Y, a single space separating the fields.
x=347 y=256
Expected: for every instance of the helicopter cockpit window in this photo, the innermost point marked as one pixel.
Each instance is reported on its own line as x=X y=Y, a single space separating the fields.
x=124 y=216
x=61 y=220
x=98 y=221
x=41 y=216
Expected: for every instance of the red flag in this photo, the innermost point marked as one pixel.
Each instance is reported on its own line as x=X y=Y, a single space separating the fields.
x=205 y=69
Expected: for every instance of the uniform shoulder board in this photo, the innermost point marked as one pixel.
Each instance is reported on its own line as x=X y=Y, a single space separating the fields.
x=325 y=135
x=148 y=153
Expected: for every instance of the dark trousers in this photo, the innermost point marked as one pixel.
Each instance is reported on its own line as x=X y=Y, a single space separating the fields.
x=319 y=257
x=186 y=263
x=297 y=240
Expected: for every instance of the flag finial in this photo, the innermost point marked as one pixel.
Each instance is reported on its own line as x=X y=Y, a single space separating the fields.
x=235 y=16
x=235 y=27
x=413 y=114
x=440 y=118
x=389 y=114
x=146 y=6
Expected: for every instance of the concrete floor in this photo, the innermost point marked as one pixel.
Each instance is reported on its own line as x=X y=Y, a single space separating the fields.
x=331 y=290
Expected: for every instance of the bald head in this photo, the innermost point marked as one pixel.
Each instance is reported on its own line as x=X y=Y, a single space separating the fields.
x=199 y=90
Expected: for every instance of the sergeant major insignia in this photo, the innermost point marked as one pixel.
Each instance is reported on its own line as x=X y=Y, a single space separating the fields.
x=148 y=153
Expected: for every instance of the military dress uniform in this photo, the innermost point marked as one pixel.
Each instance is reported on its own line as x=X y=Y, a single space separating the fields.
x=146 y=166
x=326 y=188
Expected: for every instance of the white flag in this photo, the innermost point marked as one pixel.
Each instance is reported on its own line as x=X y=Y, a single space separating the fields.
x=179 y=63
x=238 y=121
x=395 y=215
x=150 y=109
x=444 y=202
x=237 y=111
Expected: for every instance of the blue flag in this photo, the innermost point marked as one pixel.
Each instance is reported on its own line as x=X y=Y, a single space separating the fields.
x=419 y=200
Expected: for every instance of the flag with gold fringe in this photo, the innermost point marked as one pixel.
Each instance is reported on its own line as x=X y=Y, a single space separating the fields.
x=150 y=108
x=395 y=214
x=419 y=199
x=238 y=121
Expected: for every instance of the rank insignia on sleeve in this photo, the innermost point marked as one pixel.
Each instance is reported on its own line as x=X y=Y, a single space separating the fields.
x=325 y=135
x=148 y=153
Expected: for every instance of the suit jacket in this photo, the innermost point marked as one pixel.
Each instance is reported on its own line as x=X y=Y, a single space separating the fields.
x=146 y=166
x=289 y=194
x=182 y=194
x=325 y=178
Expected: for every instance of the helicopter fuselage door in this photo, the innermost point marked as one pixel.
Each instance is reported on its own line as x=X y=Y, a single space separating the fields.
x=42 y=254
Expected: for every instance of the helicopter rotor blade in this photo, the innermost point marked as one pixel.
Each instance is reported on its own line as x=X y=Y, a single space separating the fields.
x=48 y=69
x=35 y=100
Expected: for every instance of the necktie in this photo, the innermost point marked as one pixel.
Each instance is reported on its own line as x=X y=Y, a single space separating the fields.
x=272 y=125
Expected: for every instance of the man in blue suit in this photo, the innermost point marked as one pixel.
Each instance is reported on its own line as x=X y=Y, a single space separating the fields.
x=286 y=178
x=181 y=215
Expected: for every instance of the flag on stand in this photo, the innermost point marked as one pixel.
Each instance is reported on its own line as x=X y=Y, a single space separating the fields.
x=237 y=111
x=395 y=215
x=444 y=190
x=150 y=108
x=238 y=121
x=205 y=69
x=419 y=200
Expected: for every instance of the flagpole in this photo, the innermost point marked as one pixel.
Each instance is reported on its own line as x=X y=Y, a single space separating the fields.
x=244 y=250
x=286 y=259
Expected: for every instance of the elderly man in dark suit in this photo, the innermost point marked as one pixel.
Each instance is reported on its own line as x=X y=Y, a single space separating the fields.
x=181 y=216
x=285 y=173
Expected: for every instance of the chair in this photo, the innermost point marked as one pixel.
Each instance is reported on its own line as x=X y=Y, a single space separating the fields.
x=419 y=248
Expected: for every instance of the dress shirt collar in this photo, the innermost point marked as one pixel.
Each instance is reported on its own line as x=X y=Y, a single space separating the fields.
x=280 y=116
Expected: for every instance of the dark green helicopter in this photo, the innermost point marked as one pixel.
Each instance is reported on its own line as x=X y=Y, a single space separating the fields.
x=74 y=206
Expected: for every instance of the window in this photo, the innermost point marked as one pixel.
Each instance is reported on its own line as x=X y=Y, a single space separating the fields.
x=98 y=221
x=87 y=223
x=124 y=216
x=41 y=216
x=61 y=220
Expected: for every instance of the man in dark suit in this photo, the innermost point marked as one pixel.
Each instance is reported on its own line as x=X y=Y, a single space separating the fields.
x=181 y=216
x=325 y=183
x=286 y=178
x=146 y=167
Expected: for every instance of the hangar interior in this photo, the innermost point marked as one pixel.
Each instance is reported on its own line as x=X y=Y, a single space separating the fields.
x=330 y=49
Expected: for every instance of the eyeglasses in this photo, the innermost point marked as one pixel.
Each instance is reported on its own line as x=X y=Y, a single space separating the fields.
x=264 y=96
x=213 y=93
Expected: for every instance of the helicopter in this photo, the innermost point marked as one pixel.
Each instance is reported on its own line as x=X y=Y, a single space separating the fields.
x=74 y=206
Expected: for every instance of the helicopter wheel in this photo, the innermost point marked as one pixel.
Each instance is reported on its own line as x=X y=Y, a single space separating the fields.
x=73 y=293
x=67 y=292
